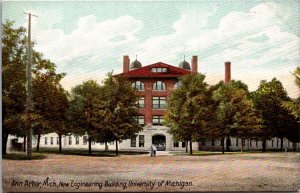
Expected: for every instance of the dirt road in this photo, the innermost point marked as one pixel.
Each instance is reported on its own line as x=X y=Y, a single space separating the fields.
x=240 y=172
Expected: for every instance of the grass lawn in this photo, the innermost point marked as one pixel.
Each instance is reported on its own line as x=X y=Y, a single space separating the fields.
x=206 y=153
x=23 y=156
x=85 y=152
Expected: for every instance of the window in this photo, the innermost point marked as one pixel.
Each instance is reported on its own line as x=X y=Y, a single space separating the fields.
x=77 y=140
x=175 y=144
x=212 y=142
x=237 y=142
x=46 y=140
x=70 y=140
x=85 y=139
x=159 y=102
x=183 y=144
x=140 y=120
x=57 y=140
x=138 y=85
x=51 y=140
x=141 y=102
x=157 y=120
x=141 y=140
x=159 y=85
x=133 y=141
x=159 y=69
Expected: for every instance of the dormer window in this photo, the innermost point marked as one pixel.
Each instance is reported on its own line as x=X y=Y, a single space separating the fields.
x=159 y=69
x=138 y=85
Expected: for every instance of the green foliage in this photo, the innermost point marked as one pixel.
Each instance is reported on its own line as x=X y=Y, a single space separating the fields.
x=104 y=112
x=268 y=98
x=120 y=108
x=83 y=108
x=235 y=113
x=48 y=96
x=297 y=76
x=188 y=107
x=13 y=76
x=294 y=105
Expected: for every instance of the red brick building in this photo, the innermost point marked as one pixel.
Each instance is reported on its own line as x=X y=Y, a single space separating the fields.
x=154 y=84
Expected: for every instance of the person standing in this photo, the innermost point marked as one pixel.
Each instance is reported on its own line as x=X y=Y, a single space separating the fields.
x=154 y=150
x=151 y=150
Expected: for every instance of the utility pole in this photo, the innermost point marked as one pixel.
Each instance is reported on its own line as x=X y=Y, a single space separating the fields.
x=29 y=101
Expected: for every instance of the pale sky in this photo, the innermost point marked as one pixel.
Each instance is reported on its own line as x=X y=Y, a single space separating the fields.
x=87 y=39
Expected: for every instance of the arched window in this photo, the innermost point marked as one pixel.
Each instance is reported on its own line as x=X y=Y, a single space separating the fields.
x=159 y=85
x=138 y=85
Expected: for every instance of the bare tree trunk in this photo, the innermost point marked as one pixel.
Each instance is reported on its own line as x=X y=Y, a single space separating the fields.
x=4 y=143
x=191 y=148
x=106 y=146
x=186 y=146
x=38 y=142
x=90 y=146
x=222 y=143
x=117 y=151
x=281 y=143
x=24 y=144
x=264 y=145
x=242 y=148
x=59 y=140
x=294 y=146
x=228 y=144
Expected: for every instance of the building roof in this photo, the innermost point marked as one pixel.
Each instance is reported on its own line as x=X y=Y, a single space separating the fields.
x=135 y=64
x=185 y=65
x=146 y=71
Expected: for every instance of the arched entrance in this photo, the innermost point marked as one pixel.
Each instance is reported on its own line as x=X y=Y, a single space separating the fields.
x=159 y=140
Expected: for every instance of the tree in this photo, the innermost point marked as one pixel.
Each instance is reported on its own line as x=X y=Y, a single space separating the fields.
x=14 y=84
x=268 y=99
x=49 y=98
x=83 y=112
x=294 y=105
x=119 y=109
x=247 y=121
x=235 y=115
x=188 y=106
x=13 y=76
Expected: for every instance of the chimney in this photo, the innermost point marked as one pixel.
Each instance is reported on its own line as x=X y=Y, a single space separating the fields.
x=126 y=62
x=195 y=64
x=227 y=72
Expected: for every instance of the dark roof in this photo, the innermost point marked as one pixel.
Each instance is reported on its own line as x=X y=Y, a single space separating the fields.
x=185 y=65
x=146 y=71
x=135 y=64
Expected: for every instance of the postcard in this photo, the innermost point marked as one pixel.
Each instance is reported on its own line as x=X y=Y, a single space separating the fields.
x=150 y=96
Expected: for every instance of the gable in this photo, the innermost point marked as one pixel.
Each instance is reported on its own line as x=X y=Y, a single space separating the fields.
x=146 y=71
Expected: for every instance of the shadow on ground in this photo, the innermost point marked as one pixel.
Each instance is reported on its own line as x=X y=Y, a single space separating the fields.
x=84 y=152
x=23 y=156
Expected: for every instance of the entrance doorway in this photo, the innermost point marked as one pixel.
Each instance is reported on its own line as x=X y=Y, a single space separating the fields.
x=159 y=140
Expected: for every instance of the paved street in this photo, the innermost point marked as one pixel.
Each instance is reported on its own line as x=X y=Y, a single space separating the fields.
x=240 y=172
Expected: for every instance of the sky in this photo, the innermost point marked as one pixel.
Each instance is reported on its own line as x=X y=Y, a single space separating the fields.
x=87 y=39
